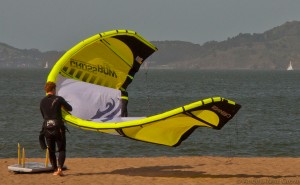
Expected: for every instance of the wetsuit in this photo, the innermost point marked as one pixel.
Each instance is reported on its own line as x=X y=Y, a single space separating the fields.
x=53 y=127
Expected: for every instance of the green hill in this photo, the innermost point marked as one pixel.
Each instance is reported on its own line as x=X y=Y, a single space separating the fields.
x=26 y=58
x=272 y=49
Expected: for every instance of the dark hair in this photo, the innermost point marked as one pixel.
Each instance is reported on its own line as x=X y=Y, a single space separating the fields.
x=50 y=86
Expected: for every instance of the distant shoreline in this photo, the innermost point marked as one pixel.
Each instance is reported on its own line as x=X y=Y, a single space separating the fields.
x=272 y=49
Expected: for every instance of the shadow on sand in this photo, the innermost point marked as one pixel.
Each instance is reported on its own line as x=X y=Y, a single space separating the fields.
x=175 y=171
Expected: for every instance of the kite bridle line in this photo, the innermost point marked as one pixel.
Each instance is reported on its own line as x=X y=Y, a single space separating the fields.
x=231 y=153
x=147 y=87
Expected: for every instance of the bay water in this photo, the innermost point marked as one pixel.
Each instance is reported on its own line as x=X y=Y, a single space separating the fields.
x=268 y=124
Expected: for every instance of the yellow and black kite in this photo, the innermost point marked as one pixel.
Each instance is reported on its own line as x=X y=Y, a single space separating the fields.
x=93 y=77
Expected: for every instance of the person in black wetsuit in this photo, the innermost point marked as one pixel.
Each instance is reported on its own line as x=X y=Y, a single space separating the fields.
x=53 y=126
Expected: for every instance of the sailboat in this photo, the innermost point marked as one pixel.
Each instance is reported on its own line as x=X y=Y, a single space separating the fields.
x=46 y=65
x=290 y=67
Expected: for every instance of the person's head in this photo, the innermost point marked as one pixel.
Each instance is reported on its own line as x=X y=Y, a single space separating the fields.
x=50 y=87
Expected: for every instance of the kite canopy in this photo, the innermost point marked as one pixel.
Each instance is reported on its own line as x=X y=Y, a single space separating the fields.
x=93 y=77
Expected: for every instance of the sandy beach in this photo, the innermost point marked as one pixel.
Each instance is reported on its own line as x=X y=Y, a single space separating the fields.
x=162 y=171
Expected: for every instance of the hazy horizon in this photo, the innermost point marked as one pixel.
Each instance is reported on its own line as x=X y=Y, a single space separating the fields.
x=59 y=24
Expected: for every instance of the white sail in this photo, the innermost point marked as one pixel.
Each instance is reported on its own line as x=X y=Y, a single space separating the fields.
x=290 y=67
x=46 y=65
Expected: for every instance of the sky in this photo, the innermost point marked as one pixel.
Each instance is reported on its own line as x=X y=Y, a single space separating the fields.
x=60 y=24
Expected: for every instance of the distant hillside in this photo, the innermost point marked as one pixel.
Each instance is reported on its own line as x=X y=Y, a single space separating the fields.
x=32 y=58
x=272 y=49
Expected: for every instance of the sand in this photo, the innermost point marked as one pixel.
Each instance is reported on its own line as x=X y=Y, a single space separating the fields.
x=162 y=171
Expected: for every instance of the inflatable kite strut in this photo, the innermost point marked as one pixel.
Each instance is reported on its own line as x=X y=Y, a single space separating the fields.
x=93 y=77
